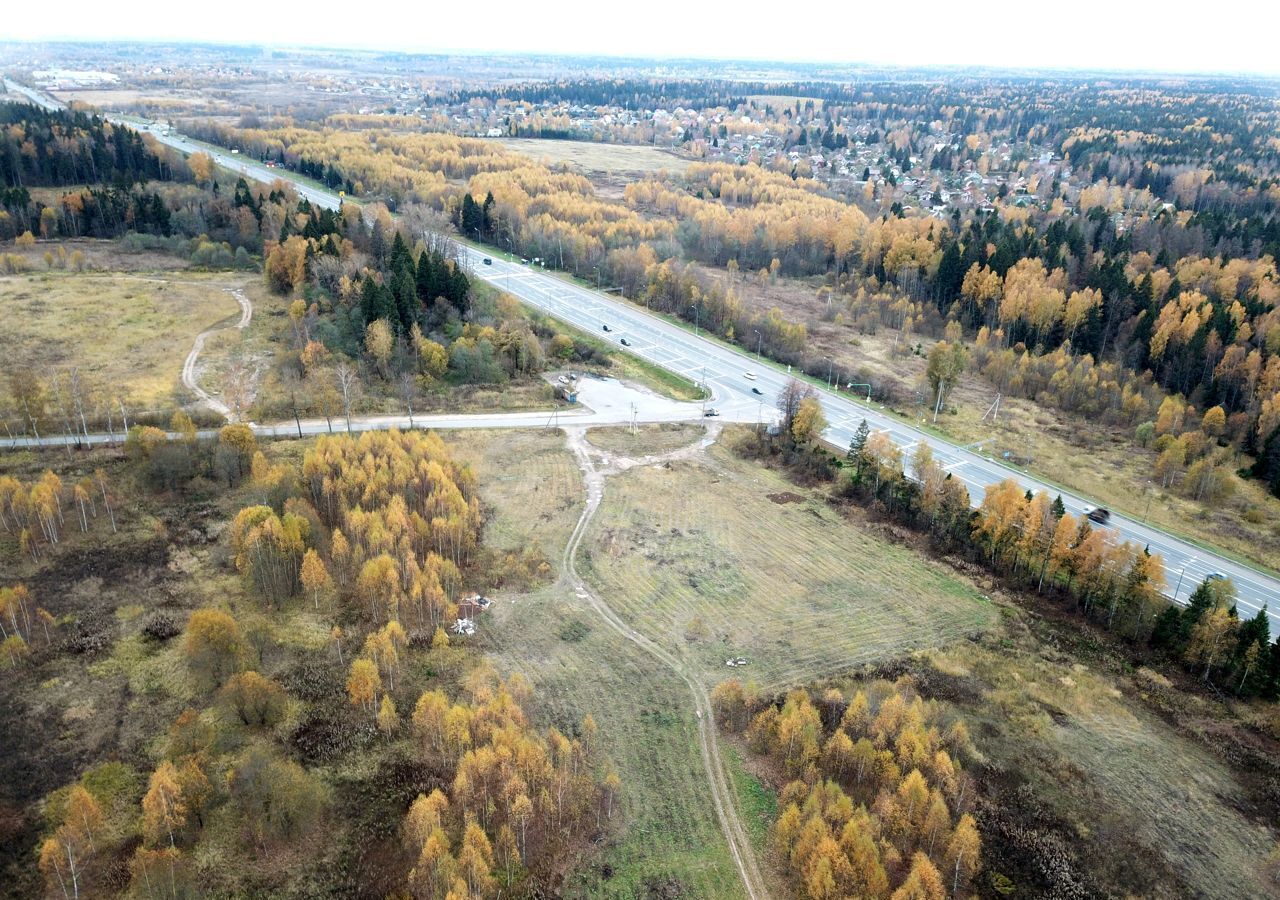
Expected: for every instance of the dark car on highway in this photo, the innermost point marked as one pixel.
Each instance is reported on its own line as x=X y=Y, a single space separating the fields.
x=626 y=343
x=756 y=390
x=605 y=327
x=488 y=261
x=1097 y=514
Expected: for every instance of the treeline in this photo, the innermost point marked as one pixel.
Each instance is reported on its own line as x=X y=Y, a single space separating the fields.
x=90 y=212
x=517 y=799
x=41 y=148
x=627 y=93
x=878 y=802
x=381 y=317
x=328 y=175
x=1032 y=542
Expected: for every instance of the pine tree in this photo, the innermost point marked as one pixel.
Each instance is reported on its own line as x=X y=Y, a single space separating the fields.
x=1166 y=634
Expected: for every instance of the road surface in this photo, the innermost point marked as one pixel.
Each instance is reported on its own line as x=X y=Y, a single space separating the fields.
x=726 y=371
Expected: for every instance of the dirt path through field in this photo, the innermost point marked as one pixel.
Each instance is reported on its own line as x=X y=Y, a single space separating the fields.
x=721 y=794
x=189 y=367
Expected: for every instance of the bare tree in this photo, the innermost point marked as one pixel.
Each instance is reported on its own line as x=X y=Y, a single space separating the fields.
x=101 y=478
x=408 y=386
x=80 y=392
x=348 y=385
x=62 y=399
x=237 y=388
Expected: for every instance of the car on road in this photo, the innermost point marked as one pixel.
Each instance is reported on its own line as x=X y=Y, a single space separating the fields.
x=711 y=411
x=1097 y=514
x=750 y=376
x=606 y=328
x=1215 y=576
x=488 y=261
x=756 y=390
x=626 y=343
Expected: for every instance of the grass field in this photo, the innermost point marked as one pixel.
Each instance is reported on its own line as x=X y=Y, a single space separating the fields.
x=668 y=832
x=593 y=158
x=647 y=439
x=884 y=599
x=1137 y=798
x=724 y=559
x=778 y=102
x=127 y=332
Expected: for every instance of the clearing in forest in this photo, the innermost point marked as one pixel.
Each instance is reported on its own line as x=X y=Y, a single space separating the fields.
x=600 y=159
x=699 y=557
x=827 y=594
x=533 y=491
x=127 y=333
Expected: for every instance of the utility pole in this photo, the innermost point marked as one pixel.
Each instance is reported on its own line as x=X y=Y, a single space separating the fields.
x=993 y=411
x=1180 y=574
x=759 y=339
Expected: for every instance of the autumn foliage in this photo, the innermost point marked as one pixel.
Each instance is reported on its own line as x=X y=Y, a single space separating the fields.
x=875 y=800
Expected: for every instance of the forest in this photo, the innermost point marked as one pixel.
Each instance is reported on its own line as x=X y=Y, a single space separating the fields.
x=373 y=541
x=1063 y=306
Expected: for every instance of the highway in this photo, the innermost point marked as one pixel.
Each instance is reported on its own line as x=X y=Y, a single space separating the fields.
x=727 y=370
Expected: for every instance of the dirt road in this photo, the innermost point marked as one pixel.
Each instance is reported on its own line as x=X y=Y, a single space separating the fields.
x=721 y=794
x=189 y=367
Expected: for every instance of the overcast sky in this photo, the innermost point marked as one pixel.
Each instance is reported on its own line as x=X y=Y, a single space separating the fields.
x=1224 y=36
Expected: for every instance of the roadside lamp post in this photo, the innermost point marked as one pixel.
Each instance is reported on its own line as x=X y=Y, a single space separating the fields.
x=1180 y=574
x=759 y=340
x=829 y=365
x=697 y=314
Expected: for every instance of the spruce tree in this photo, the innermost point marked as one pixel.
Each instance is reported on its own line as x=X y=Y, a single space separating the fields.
x=1165 y=634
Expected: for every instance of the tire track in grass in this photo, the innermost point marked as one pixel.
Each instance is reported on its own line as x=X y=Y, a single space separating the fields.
x=721 y=790
x=189 y=366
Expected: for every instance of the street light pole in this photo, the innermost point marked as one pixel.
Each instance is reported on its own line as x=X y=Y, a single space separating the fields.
x=759 y=340
x=1180 y=574
x=829 y=365
x=697 y=314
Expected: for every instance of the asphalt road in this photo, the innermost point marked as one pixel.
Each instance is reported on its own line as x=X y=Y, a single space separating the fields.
x=725 y=370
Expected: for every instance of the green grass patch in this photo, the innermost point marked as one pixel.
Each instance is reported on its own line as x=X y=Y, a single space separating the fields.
x=757 y=802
